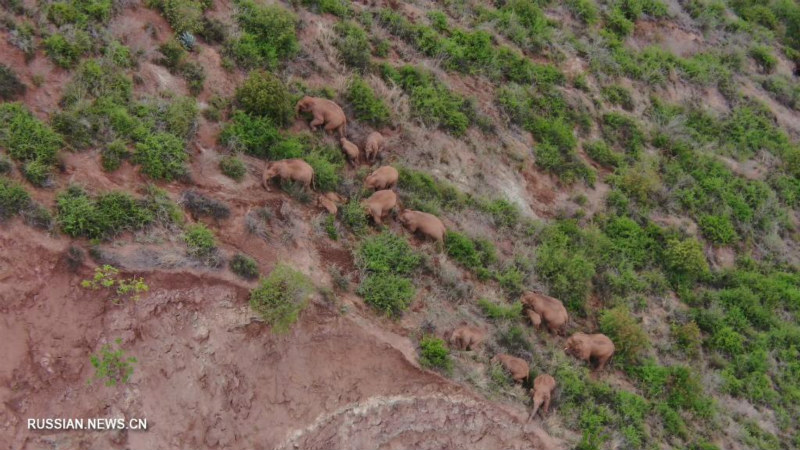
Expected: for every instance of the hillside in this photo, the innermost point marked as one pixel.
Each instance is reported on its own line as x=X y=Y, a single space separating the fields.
x=638 y=160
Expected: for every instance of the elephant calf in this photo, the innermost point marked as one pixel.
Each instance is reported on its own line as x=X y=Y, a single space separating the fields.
x=288 y=169
x=351 y=151
x=427 y=224
x=588 y=346
x=330 y=201
x=516 y=366
x=380 y=204
x=543 y=387
x=373 y=146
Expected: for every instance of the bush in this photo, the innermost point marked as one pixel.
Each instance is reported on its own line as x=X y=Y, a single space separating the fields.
x=340 y=8
x=387 y=293
x=718 y=229
x=281 y=297
x=618 y=23
x=563 y=264
x=14 y=199
x=10 y=86
x=201 y=206
x=387 y=253
x=474 y=254
x=162 y=156
x=584 y=10
x=353 y=45
x=434 y=354
x=688 y=338
x=66 y=50
x=264 y=94
x=603 y=154
x=684 y=260
x=200 y=241
x=244 y=266
x=269 y=35
x=624 y=132
x=101 y=217
x=326 y=164
x=354 y=217
x=763 y=56
x=503 y=212
x=500 y=312
x=618 y=95
x=112 y=366
x=421 y=191
x=366 y=105
x=28 y=140
x=232 y=167
x=258 y=136
x=184 y=15
x=628 y=336
x=514 y=341
x=113 y=154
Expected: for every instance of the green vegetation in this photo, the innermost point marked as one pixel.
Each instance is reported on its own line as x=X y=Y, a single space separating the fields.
x=500 y=312
x=387 y=259
x=419 y=190
x=200 y=205
x=162 y=156
x=14 y=199
x=111 y=365
x=121 y=289
x=232 y=167
x=200 y=241
x=618 y=95
x=353 y=45
x=764 y=58
x=475 y=254
x=244 y=266
x=340 y=8
x=268 y=35
x=281 y=297
x=105 y=215
x=434 y=354
x=367 y=106
x=29 y=141
x=264 y=94
x=66 y=49
x=176 y=60
x=623 y=329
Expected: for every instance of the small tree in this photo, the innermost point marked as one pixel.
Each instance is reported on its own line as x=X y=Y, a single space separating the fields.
x=264 y=94
x=111 y=365
x=281 y=297
x=628 y=336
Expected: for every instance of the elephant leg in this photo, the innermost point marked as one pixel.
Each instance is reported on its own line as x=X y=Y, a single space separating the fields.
x=376 y=216
x=601 y=363
x=318 y=120
x=546 y=407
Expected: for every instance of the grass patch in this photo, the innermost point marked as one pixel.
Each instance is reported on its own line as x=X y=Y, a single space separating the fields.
x=29 y=141
x=500 y=312
x=367 y=106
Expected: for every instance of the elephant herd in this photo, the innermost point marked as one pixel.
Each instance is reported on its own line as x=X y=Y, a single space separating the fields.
x=382 y=181
x=540 y=309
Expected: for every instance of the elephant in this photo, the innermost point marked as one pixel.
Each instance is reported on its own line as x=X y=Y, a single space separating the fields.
x=330 y=201
x=373 y=146
x=541 y=308
x=543 y=386
x=379 y=204
x=518 y=367
x=325 y=113
x=382 y=178
x=351 y=150
x=427 y=224
x=588 y=346
x=466 y=337
x=288 y=169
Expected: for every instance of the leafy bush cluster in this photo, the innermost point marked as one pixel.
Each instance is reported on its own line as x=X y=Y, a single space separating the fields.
x=366 y=105
x=281 y=297
x=14 y=199
x=268 y=37
x=264 y=95
x=434 y=354
x=29 y=141
x=420 y=191
x=629 y=338
x=111 y=365
x=232 y=167
x=244 y=266
x=431 y=100
x=185 y=16
x=10 y=86
x=108 y=214
x=387 y=259
x=176 y=60
x=475 y=254
x=200 y=205
x=500 y=312
x=353 y=45
x=339 y=8
x=107 y=277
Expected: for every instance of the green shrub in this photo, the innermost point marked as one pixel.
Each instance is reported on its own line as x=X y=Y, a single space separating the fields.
x=14 y=199
x=340 y=8
x=112 y=366
x=174 y=55
x=718 y=229
x=353 y=45
x=494 y=311
x=28 y=140
x=244 y=266
x=281 y=297
x=180 y=117
x=421 y=191
x=269 y=35
x=475 y=254
x=6 y=166
x=113 y=154
x=514 y=341
x=618 y=95
x=366 y=105
x=623 y=132
x=354 y=217
x=387 y=253
x=264 y=94
x=103 y=216
x=583 y=10
x=603 y=154
x=688 y=338
x=232 y=167
x=162 y=156
x=184 y=15
x=387 y=293
x=784 y=89
x=66 y=50
x=430 y=99
x=763 y=56
x=618 y=23
x=327 y=164
x=200 y=241
x=727 y=340
x=684 y=260
x=10 y=86
x=628 y=336
x=434 y=354
x=258 y=136
x=563 y=264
